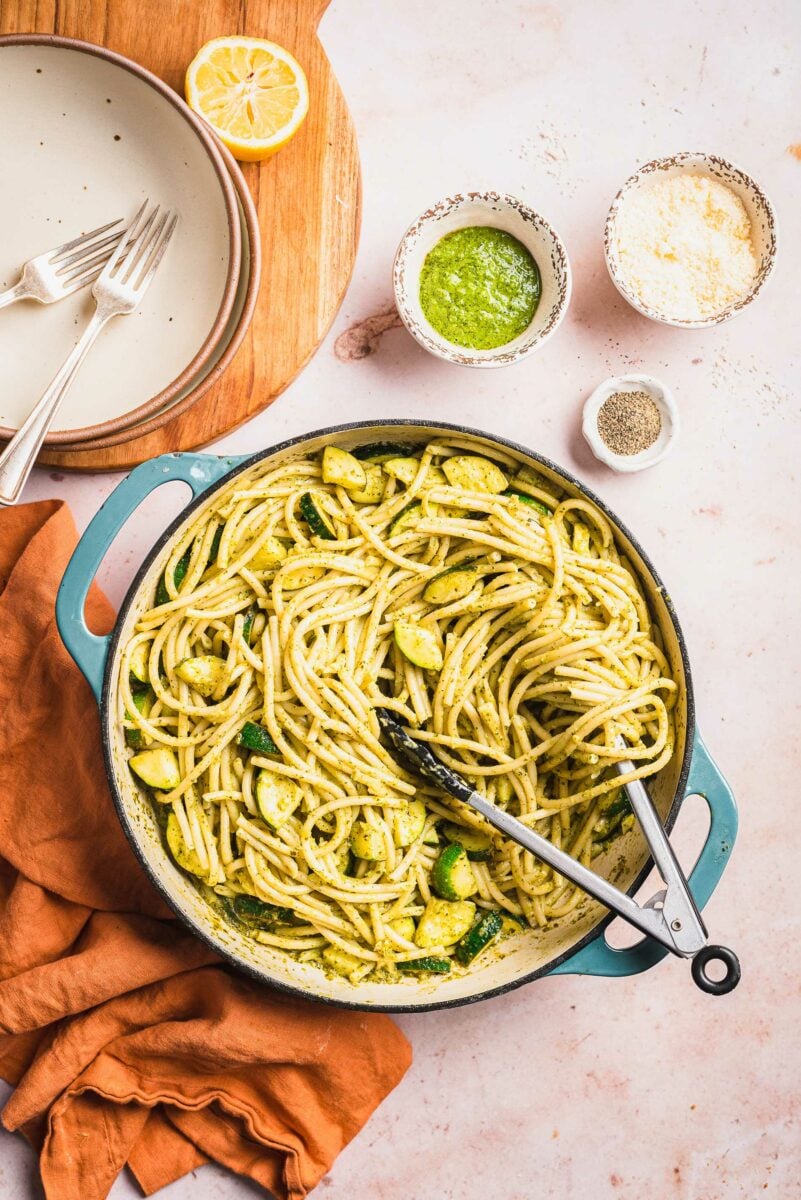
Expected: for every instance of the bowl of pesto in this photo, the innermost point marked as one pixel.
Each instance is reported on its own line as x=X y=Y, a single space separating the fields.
x=481 y=279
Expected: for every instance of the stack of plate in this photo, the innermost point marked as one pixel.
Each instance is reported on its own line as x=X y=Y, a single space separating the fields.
x=87 y=136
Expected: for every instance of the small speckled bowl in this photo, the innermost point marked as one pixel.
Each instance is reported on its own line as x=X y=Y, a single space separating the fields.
x=662 y=398
x=757 y=205
x=498 y=212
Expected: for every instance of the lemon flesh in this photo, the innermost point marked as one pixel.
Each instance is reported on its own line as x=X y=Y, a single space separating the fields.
x=252 y=92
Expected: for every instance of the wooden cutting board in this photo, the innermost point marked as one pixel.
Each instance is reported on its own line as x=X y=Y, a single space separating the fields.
x=308 y=197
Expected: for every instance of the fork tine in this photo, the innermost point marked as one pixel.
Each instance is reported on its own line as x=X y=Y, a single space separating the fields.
x=87 y=276
x=134 y=255
x=56 y=255
x=146 y=249
x=156 y=254
x=86 y=264
x=124 y=242
x=74 y=260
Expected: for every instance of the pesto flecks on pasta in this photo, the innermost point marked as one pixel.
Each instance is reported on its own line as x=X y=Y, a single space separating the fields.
x=498 y=620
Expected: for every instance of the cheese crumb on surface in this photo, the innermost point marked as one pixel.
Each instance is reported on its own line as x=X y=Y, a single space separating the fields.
x=685 y=247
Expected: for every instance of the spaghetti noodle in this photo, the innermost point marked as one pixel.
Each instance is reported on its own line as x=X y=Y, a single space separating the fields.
x=498 y=620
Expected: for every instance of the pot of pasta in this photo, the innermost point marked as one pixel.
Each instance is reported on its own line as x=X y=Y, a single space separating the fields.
x=467 y=584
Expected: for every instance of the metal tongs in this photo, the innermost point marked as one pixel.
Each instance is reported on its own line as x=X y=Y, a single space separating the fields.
x=671 y=916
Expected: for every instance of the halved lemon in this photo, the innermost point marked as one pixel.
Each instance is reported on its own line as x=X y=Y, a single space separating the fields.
x=252 y=92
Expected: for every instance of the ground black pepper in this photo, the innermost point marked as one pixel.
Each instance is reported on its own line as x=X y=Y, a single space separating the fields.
x=629 y=422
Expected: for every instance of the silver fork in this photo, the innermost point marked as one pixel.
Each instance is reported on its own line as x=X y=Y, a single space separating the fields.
x=124 y=281
x=59 y=272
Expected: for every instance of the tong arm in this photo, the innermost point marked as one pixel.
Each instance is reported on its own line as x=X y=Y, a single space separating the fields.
x=678 y=909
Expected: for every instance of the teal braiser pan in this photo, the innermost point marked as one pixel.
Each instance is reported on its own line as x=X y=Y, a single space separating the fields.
x=573 y=946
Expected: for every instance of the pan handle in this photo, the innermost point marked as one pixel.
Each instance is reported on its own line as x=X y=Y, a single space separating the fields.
x=599 y=958
x=200 y=471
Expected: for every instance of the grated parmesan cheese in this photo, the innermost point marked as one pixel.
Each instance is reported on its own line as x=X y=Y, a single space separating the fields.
x=685 y=247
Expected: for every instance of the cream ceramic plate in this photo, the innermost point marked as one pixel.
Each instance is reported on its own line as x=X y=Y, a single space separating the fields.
x=86 y=137
x=234 y=332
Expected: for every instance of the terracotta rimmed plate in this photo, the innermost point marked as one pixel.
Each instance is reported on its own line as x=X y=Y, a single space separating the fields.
x=87 y=135
x=239 y=321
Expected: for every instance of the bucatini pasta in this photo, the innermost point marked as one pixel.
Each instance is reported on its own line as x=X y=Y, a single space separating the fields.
x=498 y=620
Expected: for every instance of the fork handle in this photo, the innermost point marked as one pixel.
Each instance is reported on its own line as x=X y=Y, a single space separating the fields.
x=16 y=461
x=18 y=292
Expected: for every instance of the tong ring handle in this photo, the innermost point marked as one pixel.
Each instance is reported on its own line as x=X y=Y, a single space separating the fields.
x=722 y=954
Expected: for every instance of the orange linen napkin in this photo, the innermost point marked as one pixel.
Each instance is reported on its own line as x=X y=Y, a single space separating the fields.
x=128 y=1040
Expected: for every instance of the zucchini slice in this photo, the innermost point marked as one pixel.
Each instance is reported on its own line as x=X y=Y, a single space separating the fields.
x=452 y=512
x=277 y=798
x=381 y=452
x=432 y=837
x=342 y=469
x=453 y=584
x=452 y=877
x=614 y=802
x=214 y=549
x=531 y=501
x=476 y=845
x=404 y=926
x=318 y=521
x=271 y=553
x=253 y=911
x=367 y=842
x=178 y=576
x=406 y=519
x=340 y=961
x=527 y=480
x=504 y=789
x=139 y=663
x=485 y=930
x=408 y=822
x=403 y=469
x=474 y=473
x=255 y=737
x=581 y=538
x=247 y=627
x=205 y=673
x=436 y=477
x=343 y=857
x=444 y=922
x=185 y=858
x=601 y=847
x=614 y=808
x=511 y=924
x=373 y=489
x=301 y=577
x=419 y=645
x=157 y=768
x=143 y=702
x=432 y=966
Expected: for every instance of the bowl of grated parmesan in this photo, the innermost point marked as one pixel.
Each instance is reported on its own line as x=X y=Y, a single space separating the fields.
x=690 y=240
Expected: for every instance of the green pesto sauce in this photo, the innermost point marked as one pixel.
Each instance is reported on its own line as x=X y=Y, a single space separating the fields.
x=479 y=287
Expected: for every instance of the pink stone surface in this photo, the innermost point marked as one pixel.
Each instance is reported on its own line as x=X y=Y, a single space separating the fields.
x=589 y=1089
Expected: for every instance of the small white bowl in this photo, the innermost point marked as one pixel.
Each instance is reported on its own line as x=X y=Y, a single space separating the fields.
x=498 y=212
x=662 y=398
x=757 y=205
